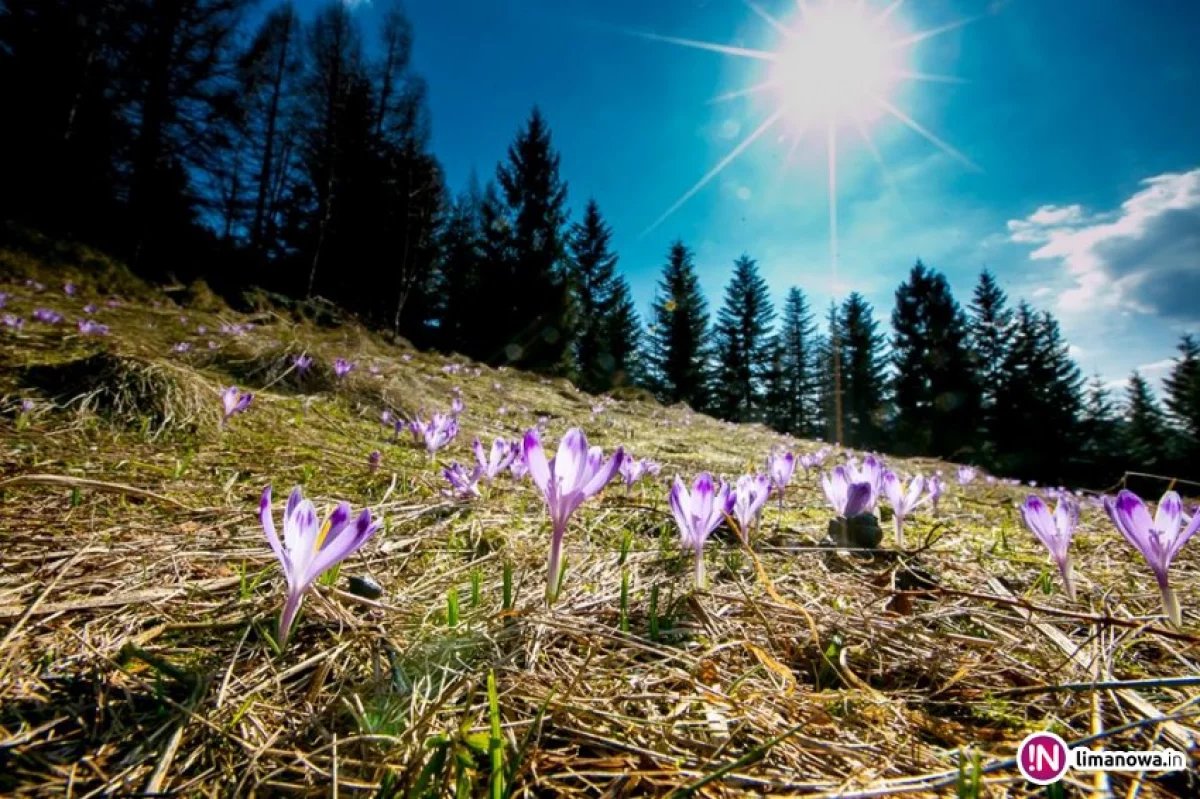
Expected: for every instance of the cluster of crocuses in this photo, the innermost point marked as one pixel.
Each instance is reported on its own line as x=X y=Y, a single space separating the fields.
x=489 y=464
x=1158 y=538
x=440 y=430
x=853 y=489
x=634 y=469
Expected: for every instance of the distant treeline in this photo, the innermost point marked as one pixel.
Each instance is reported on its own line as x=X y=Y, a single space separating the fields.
x=201 y=138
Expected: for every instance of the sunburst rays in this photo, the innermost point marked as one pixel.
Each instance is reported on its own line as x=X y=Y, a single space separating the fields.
x=819 y=25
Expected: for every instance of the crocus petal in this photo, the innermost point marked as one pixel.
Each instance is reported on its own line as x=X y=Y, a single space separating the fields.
x=570 y=462
x=913 y=497
x=535 y=459
x=1182 y=539
x=858 y=499
x=605 y=473
x=677 y=499
x=268 y=523
x=1039 y=521
x=1169 y=516
x=1132 y=519
x=358 y=533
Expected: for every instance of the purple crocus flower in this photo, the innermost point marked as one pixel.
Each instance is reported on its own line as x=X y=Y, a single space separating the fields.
x=386 y=419
x=1158 y=539
x=697 y=513
x=90 y=308
x=575 y=473
x=457 y=406
x=935 y=491
x=780 y=467
x=903 y=501
x=1054 y=532
x=497 y=460
x=113 y=302
x=27 y=405
x=201 y=330
x=46 y=316
x=966 y=474
x=89 y=328
x=342 y=367
x=69 y=289
x=301 y=362
x=634 y=469
x=308 y=550
x=871 y=473
x=13 y=321
x=847 y=496
x=181 y=347
x=439 y=431
x=234 y=401
x=36 y=286
x=3 y=298
x=519 y=468
x=374 y=459
x=748 y=498
x=373 y=369
x=406 y=357
x=463 y=483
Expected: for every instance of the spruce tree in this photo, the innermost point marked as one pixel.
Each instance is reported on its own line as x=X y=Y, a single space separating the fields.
x=593 y=280
x=497 y=300
x=678 y=351
x=829 y=379
x=1145 y=436
x=1182 y=387
x=863 y=379
x=989 y=333
x=536 y=196
x=1038 y=402
x=1100 y=450
x=794 y=398
x=933 y=390
x=1062 y=401
x=622 y=332
x=743 y=343
x=459 y=323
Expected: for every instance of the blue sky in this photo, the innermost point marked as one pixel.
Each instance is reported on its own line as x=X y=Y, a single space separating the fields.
x=1079 y=116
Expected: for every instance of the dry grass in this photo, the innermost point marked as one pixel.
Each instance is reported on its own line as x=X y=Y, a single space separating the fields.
x=136 y=587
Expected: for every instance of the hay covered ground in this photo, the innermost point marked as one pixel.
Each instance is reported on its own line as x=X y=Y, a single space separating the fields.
x=136 y=587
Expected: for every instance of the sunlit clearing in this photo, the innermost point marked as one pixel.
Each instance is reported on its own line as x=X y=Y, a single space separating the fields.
x=837 y=65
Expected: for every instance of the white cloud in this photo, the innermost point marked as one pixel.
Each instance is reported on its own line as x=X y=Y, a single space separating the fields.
x=1157 y=366
x=1142 y=257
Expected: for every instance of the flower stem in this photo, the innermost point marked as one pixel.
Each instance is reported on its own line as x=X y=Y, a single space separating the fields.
x=700 y=567
x=1068 y=576
x=1170 y=605
x=287 y=616
x=899 y=521
x=554 y=568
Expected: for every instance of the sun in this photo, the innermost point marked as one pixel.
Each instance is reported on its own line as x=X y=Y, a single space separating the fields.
x=835 y=66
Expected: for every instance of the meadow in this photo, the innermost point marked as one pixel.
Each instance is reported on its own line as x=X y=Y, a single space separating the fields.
x=140 y=598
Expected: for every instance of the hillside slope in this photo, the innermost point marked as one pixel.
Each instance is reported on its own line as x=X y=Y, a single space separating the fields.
x=137 y=590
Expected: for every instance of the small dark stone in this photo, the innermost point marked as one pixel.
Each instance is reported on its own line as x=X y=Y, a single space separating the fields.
x=911 y=577
x=365 y=587
x=857 y=532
